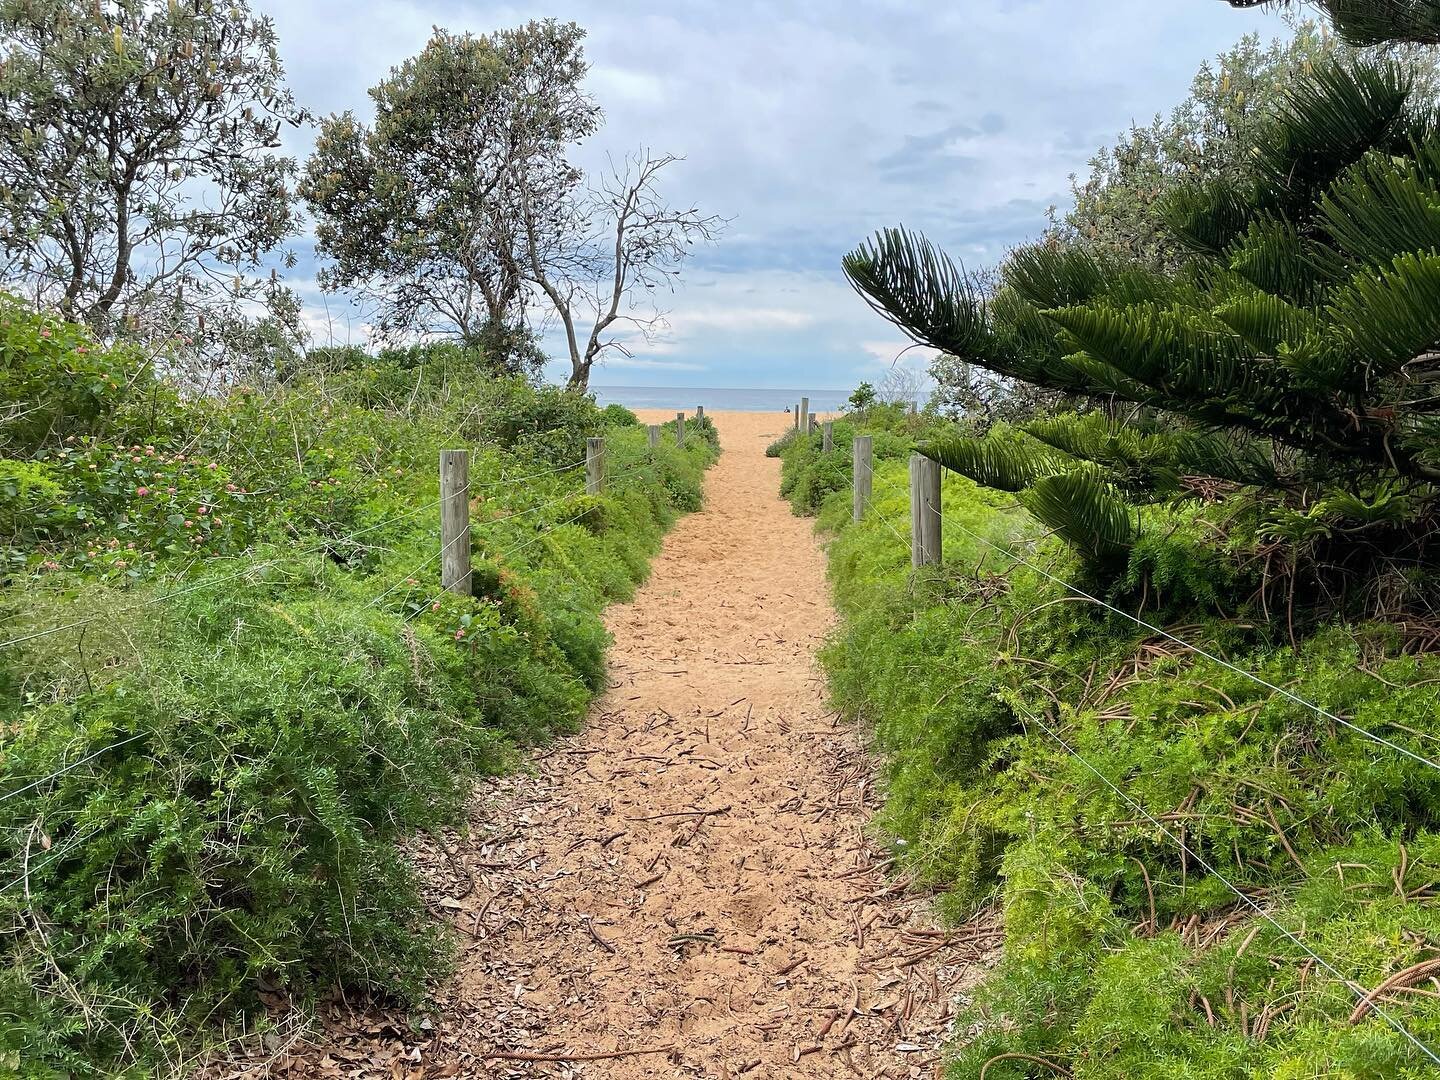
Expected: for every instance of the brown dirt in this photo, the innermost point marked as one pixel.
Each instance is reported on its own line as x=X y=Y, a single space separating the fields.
x=687 y=883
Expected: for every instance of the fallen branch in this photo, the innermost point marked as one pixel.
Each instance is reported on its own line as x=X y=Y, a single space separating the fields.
x=509 y=1055
x=682 y=813
x=1413 y=974
x=1059 y=1070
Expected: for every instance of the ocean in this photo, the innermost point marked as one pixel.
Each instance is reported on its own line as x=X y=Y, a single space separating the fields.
x=718 y=399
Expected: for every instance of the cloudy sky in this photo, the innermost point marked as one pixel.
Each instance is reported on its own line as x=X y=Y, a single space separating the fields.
x=811 y=124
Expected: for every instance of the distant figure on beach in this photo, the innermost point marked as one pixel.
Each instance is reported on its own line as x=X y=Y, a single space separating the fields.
x=787 y=410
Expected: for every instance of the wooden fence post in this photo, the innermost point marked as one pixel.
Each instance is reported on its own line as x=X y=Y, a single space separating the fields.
x=594 y=466
x=654 y=436
x=814 y=424
x=863 y=471
x=699 y=414
x=455 y=521
x=924 y=511
x=827 y=441
x=796 y=417
x=804 y=415
x=679 y=429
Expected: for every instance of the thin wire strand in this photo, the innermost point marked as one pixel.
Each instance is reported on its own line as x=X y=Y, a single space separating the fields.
x=73 y=765
x=1288 y=694
x=1360 y=993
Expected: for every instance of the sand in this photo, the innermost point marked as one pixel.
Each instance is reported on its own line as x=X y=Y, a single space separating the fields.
x=688 y=884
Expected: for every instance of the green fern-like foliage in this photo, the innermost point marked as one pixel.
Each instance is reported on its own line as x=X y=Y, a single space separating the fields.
x=997 y=461
x=1088 y=512
x=1296 y=355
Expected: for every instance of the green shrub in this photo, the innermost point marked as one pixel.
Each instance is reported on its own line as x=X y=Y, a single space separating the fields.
x=1104 y=972
x=251 y=600
x=616 y=415
x=57 y=384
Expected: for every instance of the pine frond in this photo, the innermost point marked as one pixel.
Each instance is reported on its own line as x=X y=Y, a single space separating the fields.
x=1051 y=275
x=1087 y=512
x=996 y=461
x=1266 y=323
x=915 y=285
x=1228 y=455
x=1273 y=257
x=1095 y=437
x=1181 y=354
x=1208 y=217
x=1391 y=317
x=1385 y=206
x=1328 y=119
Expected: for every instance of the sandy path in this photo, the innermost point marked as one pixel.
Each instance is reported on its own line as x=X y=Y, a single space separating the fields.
x=689 y=874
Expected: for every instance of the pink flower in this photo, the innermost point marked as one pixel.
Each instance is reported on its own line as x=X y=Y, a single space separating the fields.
x=459 y=634
x=230 y=487
x=120 y=564
x=435 y=606
x=212 y=465
x=112 y=543
x=142 y=491
x=170 y=491
x=188 y=523
x=203 y=510
x=44 y=333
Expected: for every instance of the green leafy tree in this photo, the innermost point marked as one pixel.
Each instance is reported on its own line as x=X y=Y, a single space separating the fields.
x=1211 y=135
x=139 y=183
x=862 y=397
x=1292 y=361
x=1372 y=22
x=420 y=214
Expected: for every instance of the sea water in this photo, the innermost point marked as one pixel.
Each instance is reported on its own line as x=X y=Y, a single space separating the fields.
x=719 y=399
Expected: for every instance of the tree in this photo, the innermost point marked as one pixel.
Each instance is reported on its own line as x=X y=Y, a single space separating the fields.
x=1372 y=22
x=616 y=244
x=1293 y=362
x=1210 y=135
x=138 y=179
x=421 y=214
x=862 y=397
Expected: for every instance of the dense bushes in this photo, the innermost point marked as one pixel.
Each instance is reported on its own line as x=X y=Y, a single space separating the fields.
x=808 y=474
x=260 y=690
x=1125 y=953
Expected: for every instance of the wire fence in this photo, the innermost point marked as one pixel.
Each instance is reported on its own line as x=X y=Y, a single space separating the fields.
x=1364 y=998
x=409 y=578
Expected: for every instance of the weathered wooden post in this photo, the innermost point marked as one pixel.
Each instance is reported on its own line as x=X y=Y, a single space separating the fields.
x=797 y=416
x=679 y=429
x=804 y=414
x=699 y=414
x=827 y=441
x=455 y=521
x=814 y=424
x=863 y=470
x=594 y=466
x=924 y=511
x=654 y=436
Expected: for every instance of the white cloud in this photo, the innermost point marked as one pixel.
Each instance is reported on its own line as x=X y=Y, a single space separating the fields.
x=813 y=125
